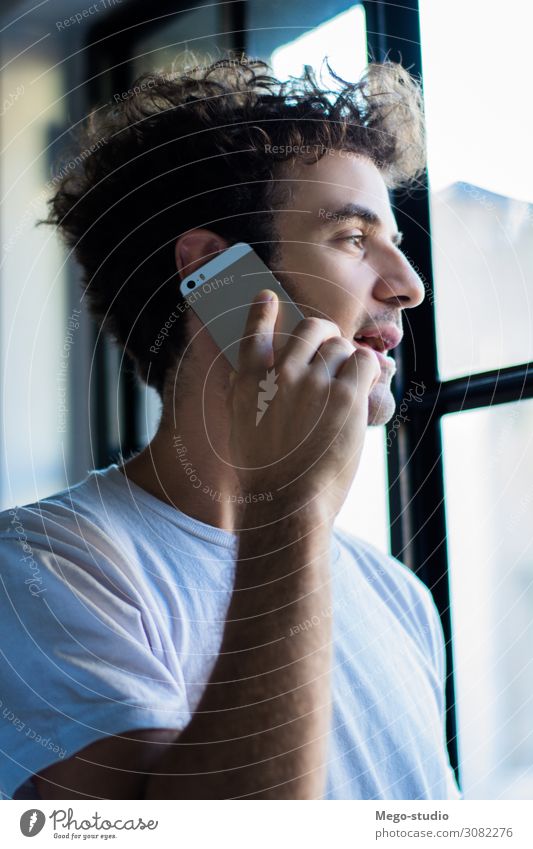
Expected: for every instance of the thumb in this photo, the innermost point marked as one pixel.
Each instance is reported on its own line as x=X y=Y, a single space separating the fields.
x=229 y=393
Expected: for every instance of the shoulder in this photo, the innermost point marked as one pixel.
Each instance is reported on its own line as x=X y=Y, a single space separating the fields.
x=81 y=633
x=405 y=594
x=69 y=542
x=382 y=565
x=74 y=518
x=61 y=509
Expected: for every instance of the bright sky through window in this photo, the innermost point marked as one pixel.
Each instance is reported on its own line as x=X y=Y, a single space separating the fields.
x=477 y=78
x=342 y=39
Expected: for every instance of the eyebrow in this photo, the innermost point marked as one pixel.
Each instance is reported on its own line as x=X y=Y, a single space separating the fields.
x=355 y=210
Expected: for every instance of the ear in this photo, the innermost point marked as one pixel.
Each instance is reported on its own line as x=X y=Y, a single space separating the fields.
x=195 y=248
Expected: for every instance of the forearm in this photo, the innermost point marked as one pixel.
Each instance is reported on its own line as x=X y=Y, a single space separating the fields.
x=261 y=727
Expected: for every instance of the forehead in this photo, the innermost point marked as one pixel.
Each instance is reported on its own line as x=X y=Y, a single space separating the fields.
x=339 y=178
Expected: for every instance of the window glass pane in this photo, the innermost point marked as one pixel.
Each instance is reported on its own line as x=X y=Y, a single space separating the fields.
x=480 y=129
x=343 y=38
x=489 y=490
x=365 y=511
x=37 y=337
x=291 y=35
x=191 y=37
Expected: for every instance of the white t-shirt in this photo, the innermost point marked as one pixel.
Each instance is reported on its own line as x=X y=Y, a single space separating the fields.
x=113 y=605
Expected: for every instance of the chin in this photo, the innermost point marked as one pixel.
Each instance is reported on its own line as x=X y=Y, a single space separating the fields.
x=381 y=404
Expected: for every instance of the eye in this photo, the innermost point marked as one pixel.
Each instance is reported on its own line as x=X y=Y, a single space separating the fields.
x=357 y=239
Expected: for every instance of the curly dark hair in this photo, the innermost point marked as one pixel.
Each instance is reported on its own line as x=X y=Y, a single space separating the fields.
x=194 y=149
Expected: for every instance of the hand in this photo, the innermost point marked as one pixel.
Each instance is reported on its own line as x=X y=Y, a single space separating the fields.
x=299 y=416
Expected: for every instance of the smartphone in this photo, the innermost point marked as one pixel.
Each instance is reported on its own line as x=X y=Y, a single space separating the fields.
x=221 y=293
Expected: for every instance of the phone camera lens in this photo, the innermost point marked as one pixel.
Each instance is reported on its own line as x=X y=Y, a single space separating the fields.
x=190 y=284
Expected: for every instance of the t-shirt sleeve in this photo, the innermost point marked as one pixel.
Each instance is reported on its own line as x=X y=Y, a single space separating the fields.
x=76 y=663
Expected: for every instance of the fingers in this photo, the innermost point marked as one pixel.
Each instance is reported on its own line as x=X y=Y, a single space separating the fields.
x=362 y=369
x=331 y=355
x=306 y=338
x=318 y=342
x=314 y=341
x=255 y=350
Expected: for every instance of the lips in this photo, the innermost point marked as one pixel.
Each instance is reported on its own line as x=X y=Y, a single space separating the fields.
x=382 y=337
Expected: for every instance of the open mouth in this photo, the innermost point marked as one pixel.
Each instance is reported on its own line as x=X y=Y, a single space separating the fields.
x=372 y=342
x=381 y=338
x=381 y=351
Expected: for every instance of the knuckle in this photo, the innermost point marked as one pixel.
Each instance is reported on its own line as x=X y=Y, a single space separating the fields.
x=310 y=322
x=313 y=322
x=338 y=343
x=331 y=325
x=365 y=358
x=366 y=354
x=286 y=372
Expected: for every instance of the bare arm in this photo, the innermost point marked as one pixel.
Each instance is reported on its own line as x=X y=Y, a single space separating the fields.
x=261 y=726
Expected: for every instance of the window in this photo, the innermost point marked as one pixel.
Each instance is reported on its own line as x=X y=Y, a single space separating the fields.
x=344 y=39
x=489 y=497
x=194 y=35
x=480 y=127
x=34 y=301
x=459 y=495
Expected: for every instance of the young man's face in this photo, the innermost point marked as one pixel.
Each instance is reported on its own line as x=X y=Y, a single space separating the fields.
x=346 y=269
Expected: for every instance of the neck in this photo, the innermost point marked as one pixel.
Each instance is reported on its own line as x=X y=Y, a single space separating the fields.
x=187 y=463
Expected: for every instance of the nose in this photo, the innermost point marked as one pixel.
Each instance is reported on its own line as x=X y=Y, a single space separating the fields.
x=397 y=280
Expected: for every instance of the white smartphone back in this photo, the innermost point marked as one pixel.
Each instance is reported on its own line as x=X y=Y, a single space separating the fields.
x=221 y=293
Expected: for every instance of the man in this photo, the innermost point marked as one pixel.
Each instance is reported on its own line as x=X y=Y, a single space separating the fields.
x=197 y=627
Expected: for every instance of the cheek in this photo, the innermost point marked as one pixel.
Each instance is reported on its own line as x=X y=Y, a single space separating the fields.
x=343 y=278
x=326 y=285
x=325 y=300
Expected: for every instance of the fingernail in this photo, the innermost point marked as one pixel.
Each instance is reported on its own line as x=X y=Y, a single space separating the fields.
x=264 y=296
